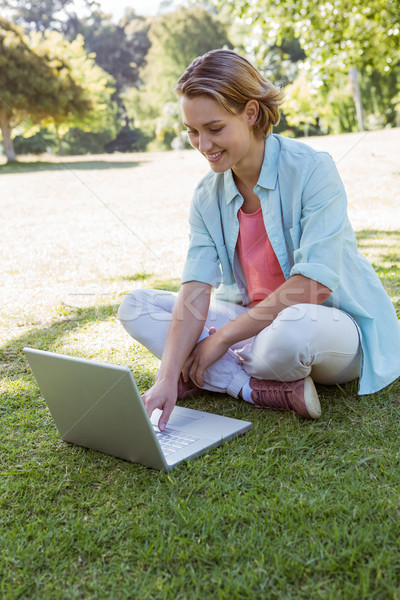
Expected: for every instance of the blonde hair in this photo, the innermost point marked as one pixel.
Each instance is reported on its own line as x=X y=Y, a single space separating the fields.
x=232 y=81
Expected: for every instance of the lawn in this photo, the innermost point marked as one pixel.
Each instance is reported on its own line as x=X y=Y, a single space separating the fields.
x=293 y=510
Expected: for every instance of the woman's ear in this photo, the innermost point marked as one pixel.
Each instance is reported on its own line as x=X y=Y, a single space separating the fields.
x=251 y=110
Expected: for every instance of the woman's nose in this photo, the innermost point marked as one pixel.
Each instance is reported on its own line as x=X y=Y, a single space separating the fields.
x=205 y=143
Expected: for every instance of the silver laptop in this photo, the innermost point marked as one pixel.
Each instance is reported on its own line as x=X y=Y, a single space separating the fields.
x=98 y=406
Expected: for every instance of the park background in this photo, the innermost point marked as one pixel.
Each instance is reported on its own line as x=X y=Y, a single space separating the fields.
x=73 y=80
x=295 y=510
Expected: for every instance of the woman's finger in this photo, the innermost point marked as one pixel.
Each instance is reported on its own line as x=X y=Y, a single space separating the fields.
x=200 y=377
x=186 y=368
x=197 y=373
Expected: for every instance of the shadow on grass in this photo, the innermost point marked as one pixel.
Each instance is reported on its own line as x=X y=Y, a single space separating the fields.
x=83 y=165
x=172 y=285
x=43 y=338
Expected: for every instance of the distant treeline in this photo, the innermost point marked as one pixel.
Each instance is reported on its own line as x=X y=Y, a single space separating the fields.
x=77 y=85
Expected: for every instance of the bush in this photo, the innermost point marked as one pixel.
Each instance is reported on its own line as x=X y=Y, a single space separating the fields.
x=79 y=142
x=128 y=140
x=41 y=142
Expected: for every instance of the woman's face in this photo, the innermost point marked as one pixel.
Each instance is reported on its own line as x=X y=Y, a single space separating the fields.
x=224 y=139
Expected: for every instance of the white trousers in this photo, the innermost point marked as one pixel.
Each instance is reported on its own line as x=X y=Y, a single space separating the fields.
x=304 y=339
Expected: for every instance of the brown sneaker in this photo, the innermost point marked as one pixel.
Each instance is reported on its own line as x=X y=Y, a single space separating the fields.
x=298 y=396
x=187 y=389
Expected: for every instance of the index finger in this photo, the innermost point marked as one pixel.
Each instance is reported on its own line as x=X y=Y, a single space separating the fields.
x=165 y=415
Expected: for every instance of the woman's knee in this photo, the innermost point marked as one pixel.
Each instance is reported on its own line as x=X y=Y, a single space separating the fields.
x=286 y=341
x=144 y=312
x=132 y=305
x=301 y=336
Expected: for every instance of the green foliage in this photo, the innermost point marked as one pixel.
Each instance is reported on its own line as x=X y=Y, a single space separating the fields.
x=176 y=39
x=95 y=84
x=280 y=64
x=337 y=111
x=330 y=108
x=379 y=93
x=47 y=81
x=119 y=49
x=128 y=140
x=301 y=106
x=335 y=37
x=76 y=141
x=34 y=84
x=169 y=123
x=43 y=141
x=39 y=15
x=332 y=105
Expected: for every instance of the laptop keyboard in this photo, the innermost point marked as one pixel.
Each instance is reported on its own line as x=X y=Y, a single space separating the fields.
x=171 y=441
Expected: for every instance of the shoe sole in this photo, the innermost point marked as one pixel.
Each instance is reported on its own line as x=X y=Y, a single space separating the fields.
x=311 y=399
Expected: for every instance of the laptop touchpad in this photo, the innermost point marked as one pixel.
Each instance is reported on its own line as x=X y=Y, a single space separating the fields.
x=180 y=417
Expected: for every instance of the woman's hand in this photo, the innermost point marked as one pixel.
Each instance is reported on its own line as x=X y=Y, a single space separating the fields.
x=162 y=395
x=188 y=318
x=205 y=353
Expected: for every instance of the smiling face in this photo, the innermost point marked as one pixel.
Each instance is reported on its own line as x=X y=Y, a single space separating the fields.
x=224 y=139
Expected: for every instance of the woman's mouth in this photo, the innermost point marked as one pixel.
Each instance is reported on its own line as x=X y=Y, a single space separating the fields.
x=214 y=157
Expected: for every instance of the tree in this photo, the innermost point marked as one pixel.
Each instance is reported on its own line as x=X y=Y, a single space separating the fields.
x=343 y=35
x=95 y=84
x=176 y=39
x=301 y=99
x=31 y=86
x=119 y=49
x=45 y=80
x=40 y=15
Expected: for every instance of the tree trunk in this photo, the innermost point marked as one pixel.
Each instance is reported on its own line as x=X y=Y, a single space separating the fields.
x=7 y=141
x=60 y=145
x=356 y=93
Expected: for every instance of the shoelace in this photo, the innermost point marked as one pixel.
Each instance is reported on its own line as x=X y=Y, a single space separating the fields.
x=275 y=396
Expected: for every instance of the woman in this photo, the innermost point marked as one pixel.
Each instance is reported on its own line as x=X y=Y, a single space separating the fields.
x=295 y=302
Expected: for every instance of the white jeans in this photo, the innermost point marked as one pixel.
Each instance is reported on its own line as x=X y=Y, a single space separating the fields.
x=304 y=339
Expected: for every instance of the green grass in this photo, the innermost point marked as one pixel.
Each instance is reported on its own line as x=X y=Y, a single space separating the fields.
x=293 y=510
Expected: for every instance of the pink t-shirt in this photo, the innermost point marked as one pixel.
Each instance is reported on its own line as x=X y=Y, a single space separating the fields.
x=257 y=257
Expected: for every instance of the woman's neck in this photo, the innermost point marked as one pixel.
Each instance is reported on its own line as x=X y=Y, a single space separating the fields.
x=247 y=174
x=249 y=168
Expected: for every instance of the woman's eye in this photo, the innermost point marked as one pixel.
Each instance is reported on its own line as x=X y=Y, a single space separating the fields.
x=216 y=130
x=190 y=132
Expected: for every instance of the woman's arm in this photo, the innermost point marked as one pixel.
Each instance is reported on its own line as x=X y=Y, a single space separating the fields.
x=188 y=318
x=296 y=290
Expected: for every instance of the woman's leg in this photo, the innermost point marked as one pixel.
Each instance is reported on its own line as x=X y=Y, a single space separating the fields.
x=305 y=339
x=146 y=315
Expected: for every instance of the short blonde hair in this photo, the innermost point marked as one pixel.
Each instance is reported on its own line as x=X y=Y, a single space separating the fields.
x=232 y=81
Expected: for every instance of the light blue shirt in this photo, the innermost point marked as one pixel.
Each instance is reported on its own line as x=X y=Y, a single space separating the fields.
x=304 y=206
